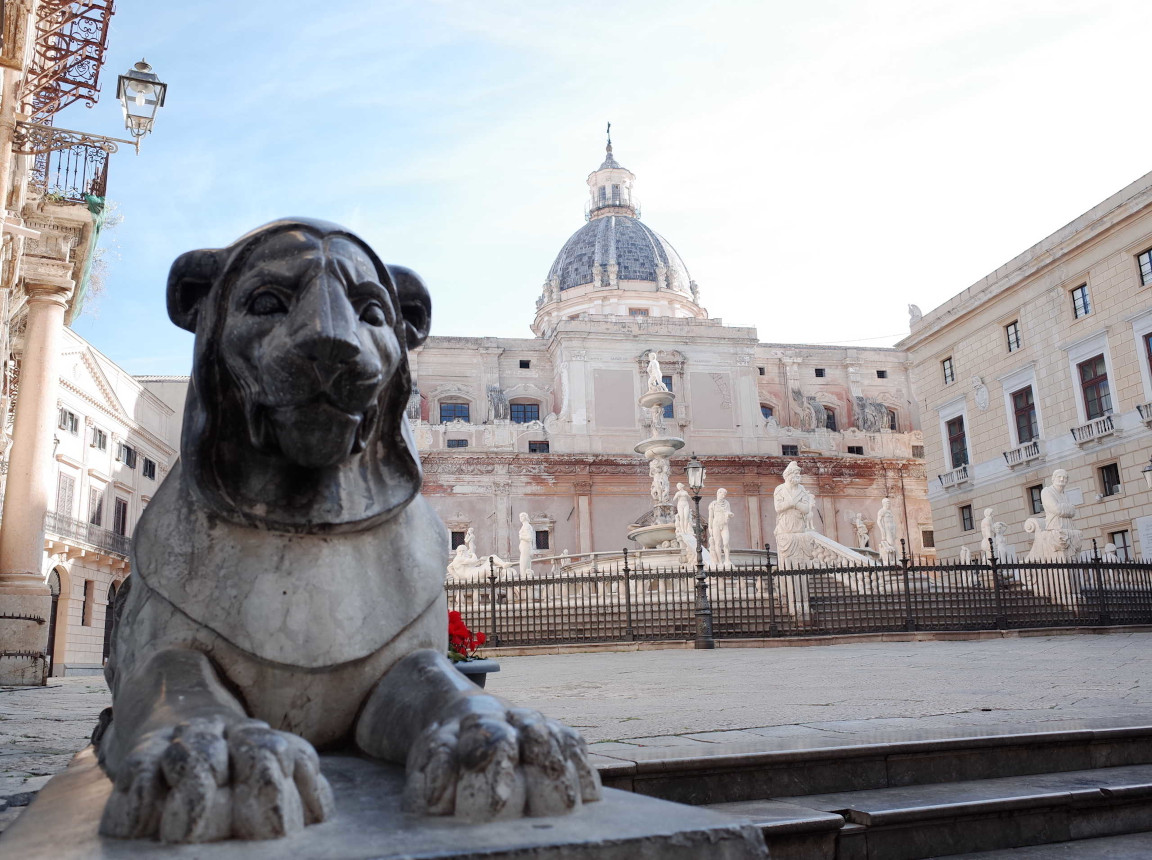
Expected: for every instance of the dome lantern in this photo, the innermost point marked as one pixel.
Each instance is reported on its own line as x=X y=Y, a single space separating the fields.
x=610 y=188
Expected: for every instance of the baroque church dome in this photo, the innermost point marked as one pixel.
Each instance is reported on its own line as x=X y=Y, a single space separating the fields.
x=638 y=252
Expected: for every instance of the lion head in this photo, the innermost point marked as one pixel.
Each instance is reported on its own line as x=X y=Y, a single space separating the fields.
x=295 y=413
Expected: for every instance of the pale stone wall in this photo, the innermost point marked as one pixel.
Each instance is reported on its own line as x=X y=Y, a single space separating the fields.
x=1099 y=249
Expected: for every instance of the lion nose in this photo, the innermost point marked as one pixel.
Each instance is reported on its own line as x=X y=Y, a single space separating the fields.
x=328 y=328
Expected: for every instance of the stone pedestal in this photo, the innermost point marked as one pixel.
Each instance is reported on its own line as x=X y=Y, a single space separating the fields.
x=25 y=601
x=62 y=823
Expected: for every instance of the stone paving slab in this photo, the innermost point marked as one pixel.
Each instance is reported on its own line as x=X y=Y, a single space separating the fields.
x=1136 y=846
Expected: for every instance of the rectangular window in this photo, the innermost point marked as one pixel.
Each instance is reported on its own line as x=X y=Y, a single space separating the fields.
x=637 y=312
x=65 y=488
x=126 y=454
x=69 y=421
x=537 y=447
x=760 y=370
x=456 y=443
x=670 y=409
x=525 y=363
x=881 y=374
x=856 y=449
x=1081 y=305
x=99 y=439
x=1035 y=500
x=1148 y=350
x=89 y=602
x=1123 y=543
x=149 y=469
x=1145 y=261
x=949 y=371
x=928 y=538
x=457 y=539
x=1109 y=479
x=893 y=421
x=454 y=412
x=957 y=442
x=522 y=413
x=95 y=506
x=918 y=452
x=829 y=418
x=1012 y=332
x=765 y=411
x=966 y=522
x=820 y=373
x=120 y=517
x=1094 y=385
x=789 y=450
x=542 y=541
x=1024 y=409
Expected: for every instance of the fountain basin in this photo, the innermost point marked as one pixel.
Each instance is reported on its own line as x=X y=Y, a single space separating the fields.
x=662 y=446
x=656 y=398
x=651 y=537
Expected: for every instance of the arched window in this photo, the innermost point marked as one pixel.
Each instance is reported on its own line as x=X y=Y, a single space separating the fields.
x=451 y=410
x=765 y=411
x=893 y=420
x=523 y=411
x=829 y=418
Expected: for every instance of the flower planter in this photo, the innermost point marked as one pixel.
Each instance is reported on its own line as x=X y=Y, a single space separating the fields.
x=477 y=671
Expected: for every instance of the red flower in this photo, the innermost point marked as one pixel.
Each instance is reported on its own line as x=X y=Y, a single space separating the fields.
x=461 y=640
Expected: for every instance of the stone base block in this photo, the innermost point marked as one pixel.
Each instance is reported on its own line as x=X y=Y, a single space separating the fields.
x=24 y=638
x=62 y=823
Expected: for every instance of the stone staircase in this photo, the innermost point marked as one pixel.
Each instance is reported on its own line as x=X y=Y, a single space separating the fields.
x=916 y=794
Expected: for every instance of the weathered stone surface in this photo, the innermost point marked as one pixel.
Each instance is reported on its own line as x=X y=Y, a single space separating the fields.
x=62 y=823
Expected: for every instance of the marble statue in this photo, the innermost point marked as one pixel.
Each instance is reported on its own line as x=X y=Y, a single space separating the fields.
x=498 y=408
x=683 y=503
x=1109 y=553
x=965 y=555
x=470 y=540
x=659 y=428
x=655 y=374
x=719 y=514
x=798 y=543
x=1004 y=550
x=980 y=392
x=861 y=529
x=1057 y=538
x=889 y=534
x=914 y=314
x=660 y=470
x=527 y=537
x=289 y=574
x=987 y=531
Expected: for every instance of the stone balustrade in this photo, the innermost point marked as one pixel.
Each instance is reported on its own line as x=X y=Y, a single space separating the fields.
x=1022 y=454
x=1095 y=429
x=954 y=478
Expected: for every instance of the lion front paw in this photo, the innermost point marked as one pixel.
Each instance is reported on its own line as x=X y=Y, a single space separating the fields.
x=485 y=766
x=205 y=779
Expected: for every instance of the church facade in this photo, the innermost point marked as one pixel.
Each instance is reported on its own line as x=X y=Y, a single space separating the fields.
x=547 y=425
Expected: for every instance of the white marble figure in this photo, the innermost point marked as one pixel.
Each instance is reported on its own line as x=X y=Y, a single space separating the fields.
x=798 y=544
x=889 y=535
x=527 y=544
x=980 y=392
x=470 y=540
x=861 y=528
x=1058 y=538
x=719 y=513
x=683 y=502
x=1004 y=550
x=658 y=426
x=965 y=555
x=655 y=374
x=987 y=533
x=914 y=314
x=1109 y=553
x=660 y=470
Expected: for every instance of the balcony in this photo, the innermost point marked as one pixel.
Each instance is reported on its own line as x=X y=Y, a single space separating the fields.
x=1145 y=410
x=79 y=531
x=955 y=478
x=1094 y=430
x=1022 y=454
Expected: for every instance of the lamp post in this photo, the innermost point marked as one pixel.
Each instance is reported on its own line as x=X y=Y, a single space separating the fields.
x=696 y=472
x=141 y=94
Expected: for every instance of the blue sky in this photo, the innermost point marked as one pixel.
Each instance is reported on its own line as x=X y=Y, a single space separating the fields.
x=818 y=165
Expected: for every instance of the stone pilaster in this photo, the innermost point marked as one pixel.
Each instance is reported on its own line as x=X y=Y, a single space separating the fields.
x=25 y=602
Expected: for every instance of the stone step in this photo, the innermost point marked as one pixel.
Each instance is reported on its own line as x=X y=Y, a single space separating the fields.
x=1134 y=846
x=924 y=821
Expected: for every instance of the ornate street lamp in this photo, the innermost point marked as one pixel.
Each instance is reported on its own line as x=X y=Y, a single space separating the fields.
x=695 y=472
x=141 y=94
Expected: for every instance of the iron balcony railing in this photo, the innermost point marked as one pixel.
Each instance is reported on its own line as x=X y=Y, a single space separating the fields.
x=1094 y=429
x=1022 y=454
x=70 y=529
x=70 y=175
x=623 y=602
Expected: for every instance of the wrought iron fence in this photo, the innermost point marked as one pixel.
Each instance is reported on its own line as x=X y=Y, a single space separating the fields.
x=632 y=602
x=72 y=529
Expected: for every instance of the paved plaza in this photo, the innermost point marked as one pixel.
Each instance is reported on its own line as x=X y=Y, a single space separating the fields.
x=686 y=698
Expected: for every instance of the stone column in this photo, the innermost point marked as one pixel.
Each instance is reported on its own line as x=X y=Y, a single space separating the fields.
x=25 y=601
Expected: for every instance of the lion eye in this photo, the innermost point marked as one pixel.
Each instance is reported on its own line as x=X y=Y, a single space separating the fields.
x=373 y=314
x=266 y=304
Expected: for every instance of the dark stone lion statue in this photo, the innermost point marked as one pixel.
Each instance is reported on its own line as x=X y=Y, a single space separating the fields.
x=286 y=593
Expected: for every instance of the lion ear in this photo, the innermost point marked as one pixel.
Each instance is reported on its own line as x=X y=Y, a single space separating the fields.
x=189 y=280
x=415 y=304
